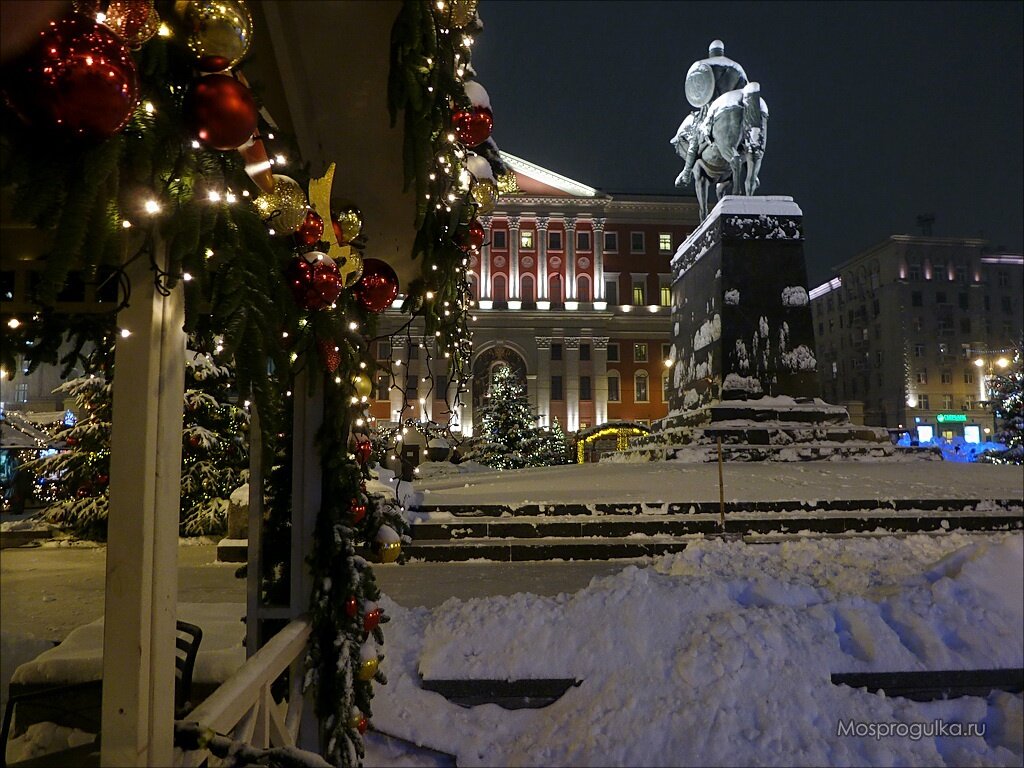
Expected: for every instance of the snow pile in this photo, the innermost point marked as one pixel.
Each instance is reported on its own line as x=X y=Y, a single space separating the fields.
x=722 y=654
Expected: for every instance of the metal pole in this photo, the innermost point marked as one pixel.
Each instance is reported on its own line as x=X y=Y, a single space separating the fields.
x=721 y=488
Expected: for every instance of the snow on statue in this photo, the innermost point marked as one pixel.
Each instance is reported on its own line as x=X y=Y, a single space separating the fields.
x=723 y=141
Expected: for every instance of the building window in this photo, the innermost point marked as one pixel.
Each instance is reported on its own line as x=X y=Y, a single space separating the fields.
x=962 y=301
x=584 y=351
x=922 y=376
x=664 y=387
x=582 y=288
x=922 y=402
x=666 y=351
x=636 y=242
x=640 y=394
x=498 y=287
x=499 y=239
x=968 y=376
x=947 y=402
x=947 y=377
x=384 y=349
x=554 y=241
x=556 y=351
x=919 y=350
x=611 y=242
x=914 y=272
x=945 y=326
x=664 y=242
x=916 y=299
x=611 y=290
x=414 y=351
x=1003 y=279
x=582 y=241
x=585 y=391
x=613 y=387
x=526 y=289
x=411 y=382
x=666 y=295
x=639 y=291
x=526 y=239
x=383 y=387
x=639 y=353
x=1007 y=304
x=965 y=325
x=940 y=297
x=613 y=352
x=556 y=388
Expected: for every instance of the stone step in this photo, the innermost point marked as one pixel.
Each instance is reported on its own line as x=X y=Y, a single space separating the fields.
x=694 y=524
x=813 y=451
x=505 y=511
x=544 y=545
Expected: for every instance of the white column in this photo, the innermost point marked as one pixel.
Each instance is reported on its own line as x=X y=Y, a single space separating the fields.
x=570 y=259
x=542 y=258
x=598 y=259
x=572 y=383
x=398 y=371
x=544 y=379
x=485 y=259
x=142 y=546
x=600 y=376
x=513 y=257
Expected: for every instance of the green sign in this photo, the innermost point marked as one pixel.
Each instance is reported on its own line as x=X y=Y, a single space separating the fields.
x=947 y=418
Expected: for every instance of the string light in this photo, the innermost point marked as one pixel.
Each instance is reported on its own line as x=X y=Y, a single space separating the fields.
x=152 y=207
x=125 y=333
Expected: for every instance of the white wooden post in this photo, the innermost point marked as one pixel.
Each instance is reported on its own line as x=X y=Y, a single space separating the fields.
x=142 y=548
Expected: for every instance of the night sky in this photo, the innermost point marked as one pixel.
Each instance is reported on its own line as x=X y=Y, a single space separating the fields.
x=879 y=112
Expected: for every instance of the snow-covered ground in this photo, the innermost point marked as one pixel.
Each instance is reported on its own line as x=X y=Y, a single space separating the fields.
x=722 y=655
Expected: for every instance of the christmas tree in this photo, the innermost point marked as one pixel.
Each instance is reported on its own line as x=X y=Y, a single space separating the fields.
x=215 y=455
x=76 y=480
x=551 y=447
x=1006 y=392
x=507 y=426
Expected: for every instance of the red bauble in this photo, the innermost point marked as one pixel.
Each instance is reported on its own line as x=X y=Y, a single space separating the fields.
x=71 y=441
x=362 y=724
x=79 y=79
x=363 y=451
x=314 y=280
x=84 y=490
x=310 y=231
x=371 y=620
x=329 y=355
x=358 y=512
x=473 y=126
x=351 y=606
x=102 y=480
x=473 y=238
x=221 y=112
x=195 y=441
x=377 y=287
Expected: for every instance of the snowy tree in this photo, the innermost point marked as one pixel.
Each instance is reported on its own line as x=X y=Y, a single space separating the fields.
x=507 y=425
x=1006 y=392
x=76 y=480
x=550 y=447
x=214 y=454
x=214 y=458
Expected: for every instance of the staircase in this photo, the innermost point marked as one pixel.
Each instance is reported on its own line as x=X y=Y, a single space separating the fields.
x=611 y=531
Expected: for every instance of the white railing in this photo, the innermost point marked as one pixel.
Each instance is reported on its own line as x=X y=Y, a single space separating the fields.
x=244 y=707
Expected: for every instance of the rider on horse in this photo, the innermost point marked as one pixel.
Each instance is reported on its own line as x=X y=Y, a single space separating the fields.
x=707 y=80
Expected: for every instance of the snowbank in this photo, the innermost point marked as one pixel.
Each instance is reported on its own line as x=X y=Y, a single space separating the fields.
x=722 y=655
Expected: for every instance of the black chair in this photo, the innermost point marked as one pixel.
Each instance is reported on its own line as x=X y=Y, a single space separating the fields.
x=79 y=705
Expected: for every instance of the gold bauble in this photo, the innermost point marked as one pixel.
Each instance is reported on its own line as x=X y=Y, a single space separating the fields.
x=134 y=20
x=219 y=32
x=462 y=12
x=386 y=551
x=348 y=224
x=367 y=669
x=485 y=193
x=285 y=208
x=363 y=385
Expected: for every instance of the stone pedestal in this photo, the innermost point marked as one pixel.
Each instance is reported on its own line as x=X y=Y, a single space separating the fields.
x=741 y=319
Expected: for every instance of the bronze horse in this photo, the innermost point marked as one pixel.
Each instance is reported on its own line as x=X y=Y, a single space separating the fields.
x=731 y=136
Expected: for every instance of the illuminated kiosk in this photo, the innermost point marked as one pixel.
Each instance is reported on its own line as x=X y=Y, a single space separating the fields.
x=743 y=362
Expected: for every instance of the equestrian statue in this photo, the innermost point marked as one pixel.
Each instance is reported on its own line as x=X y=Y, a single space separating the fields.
x=722 y=142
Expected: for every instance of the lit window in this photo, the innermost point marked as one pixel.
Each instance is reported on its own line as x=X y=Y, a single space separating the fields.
x=639 y=353
x=526 y=239
x=666 y=296
x=664 y=242
x=639 y=294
